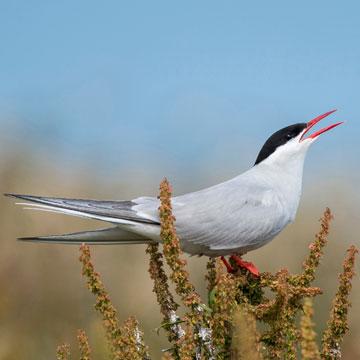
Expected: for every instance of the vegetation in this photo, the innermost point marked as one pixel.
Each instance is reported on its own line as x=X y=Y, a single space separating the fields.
x=226 y=327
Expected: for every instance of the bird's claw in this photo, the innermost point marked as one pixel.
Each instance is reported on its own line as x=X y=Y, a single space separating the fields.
x=241 y=263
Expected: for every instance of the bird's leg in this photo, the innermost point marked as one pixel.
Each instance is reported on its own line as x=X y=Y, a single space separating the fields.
x=229 y=268
x=245 y=264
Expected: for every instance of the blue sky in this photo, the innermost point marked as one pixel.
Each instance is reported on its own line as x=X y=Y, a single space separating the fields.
x=121 y=84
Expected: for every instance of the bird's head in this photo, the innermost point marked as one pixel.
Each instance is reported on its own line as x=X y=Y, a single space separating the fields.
x=290 y=142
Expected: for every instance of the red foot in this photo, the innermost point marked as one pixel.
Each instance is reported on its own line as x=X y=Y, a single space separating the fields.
x=244 y=264
x=229 y=268
x=247 y=265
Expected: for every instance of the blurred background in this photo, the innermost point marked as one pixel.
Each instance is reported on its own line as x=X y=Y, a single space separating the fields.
x=103 y=100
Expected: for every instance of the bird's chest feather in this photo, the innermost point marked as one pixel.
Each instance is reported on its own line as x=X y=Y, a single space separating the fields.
x=288 y=194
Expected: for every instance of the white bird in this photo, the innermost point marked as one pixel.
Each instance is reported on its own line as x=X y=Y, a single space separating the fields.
x=235 y=216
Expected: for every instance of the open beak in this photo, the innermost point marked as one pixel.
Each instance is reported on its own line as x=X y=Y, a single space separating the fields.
x=314 y=122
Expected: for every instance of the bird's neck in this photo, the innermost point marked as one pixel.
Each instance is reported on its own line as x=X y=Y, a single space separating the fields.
x=285 y=179
x=287 y=176
x=284 y=168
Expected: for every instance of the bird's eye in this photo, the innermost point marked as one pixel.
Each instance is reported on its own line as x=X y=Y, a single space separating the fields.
x=288 y=136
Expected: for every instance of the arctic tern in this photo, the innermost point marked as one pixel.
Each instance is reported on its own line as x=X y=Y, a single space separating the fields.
x=236 y=216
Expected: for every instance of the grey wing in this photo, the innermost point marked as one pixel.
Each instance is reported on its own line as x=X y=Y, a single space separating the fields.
x=112 y=211
x=230 y=215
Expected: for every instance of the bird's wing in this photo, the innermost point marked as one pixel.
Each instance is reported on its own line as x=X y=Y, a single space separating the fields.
x=230 y=215
x=120 y=212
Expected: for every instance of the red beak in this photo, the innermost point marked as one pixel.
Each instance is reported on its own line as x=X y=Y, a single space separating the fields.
x=313 y=122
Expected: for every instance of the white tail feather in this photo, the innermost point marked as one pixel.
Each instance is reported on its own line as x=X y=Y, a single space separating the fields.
x=113 y=235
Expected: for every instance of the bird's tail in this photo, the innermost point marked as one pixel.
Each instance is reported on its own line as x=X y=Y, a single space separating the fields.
x=116 y=212
x=109 y=236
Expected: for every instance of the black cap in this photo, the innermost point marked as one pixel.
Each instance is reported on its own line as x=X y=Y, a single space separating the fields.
x=279 y=138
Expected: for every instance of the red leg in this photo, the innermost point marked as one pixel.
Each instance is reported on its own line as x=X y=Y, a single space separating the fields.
x=229 y=268
x=247 y=265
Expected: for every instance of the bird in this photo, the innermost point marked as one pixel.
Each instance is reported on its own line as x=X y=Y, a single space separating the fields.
x=233 y=217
